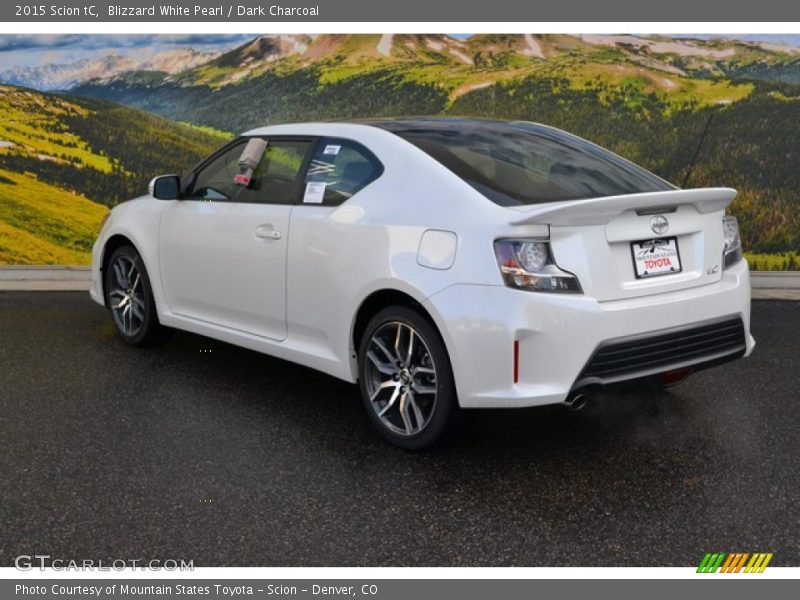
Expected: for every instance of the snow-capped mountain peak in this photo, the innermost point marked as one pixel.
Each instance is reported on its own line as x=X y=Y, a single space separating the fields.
x=68 y=75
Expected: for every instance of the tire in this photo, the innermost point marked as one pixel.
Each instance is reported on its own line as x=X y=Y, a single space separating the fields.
x=130 y=301
x=411 y=401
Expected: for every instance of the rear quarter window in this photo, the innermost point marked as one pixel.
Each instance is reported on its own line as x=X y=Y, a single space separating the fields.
x=339 y=169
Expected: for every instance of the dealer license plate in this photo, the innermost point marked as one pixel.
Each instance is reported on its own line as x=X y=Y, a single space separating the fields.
x=655 y=257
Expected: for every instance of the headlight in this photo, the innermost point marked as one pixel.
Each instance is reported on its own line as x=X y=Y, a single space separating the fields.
x=528 y=265
x=732 y=248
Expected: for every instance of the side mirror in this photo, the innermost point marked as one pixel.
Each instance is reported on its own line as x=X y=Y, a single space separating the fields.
x=165 y=187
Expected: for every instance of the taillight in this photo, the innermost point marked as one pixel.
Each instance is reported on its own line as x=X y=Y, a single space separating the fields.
x=732 y=249
x=529 y=265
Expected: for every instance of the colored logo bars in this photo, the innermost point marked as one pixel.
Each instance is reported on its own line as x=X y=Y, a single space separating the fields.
x=734 y=562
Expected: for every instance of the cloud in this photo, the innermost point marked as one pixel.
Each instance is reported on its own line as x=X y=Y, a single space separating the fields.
x=12 y=43
x=37 y=42
x=195 y=39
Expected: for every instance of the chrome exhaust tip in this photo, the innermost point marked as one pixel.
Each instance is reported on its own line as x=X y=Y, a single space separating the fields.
x=577 y=401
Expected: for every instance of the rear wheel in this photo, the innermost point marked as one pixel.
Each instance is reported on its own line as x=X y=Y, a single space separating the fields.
x=406 y=380
x=129 y=298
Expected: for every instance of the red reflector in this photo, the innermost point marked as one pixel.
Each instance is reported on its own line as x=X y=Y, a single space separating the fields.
x=516 y=361
x=675 y=377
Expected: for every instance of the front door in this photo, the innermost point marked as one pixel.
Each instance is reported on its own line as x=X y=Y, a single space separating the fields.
x=222 y=247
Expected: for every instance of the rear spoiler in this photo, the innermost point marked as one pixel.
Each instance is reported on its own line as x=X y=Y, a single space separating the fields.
x=596 y=211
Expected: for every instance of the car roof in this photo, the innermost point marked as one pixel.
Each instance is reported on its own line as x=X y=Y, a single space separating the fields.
x=398 y=125
x=311 y=128
x=432 y=121
x=401 y=125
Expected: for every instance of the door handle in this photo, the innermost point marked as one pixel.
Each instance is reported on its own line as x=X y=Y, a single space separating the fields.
x=267 y=232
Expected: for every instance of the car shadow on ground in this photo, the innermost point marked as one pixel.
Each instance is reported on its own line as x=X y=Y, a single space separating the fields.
x=307 y=397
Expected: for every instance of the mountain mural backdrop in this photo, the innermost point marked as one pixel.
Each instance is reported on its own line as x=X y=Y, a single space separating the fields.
x=696 y=111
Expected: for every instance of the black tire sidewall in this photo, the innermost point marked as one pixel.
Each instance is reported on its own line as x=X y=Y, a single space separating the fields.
x=151 y=328
x=446 y=409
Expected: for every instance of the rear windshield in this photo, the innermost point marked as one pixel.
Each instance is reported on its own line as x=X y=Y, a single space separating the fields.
x=523 y=163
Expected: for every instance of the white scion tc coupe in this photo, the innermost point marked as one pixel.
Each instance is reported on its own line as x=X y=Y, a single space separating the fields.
x=442 y=264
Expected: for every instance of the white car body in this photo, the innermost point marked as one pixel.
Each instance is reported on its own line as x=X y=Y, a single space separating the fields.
x=421 y=231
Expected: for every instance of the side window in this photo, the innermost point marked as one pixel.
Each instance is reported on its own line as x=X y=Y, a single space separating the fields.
x=339 y=169
x=272 y=182
x=215 y=180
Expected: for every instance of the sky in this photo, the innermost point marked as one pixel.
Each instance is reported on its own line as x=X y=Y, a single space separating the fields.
x=39 y=50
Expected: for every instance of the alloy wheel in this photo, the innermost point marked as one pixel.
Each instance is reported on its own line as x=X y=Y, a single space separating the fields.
x=400 y=378
x=126 y=296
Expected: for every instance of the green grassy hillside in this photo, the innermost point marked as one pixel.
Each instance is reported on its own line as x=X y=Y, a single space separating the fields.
x=43 y=224
x=104 y=151
x=64 y=161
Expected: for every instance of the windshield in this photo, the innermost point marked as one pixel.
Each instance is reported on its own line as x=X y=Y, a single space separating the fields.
x=519 y=163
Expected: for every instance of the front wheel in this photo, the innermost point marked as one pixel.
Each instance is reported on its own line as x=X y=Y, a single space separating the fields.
x=129 y=298
x=406 y=380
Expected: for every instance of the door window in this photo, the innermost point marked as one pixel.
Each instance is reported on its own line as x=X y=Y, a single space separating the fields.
x=273 y=181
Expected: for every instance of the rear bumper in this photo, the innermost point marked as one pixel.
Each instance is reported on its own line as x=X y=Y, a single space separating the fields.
x=644 y=355
x=558 y=334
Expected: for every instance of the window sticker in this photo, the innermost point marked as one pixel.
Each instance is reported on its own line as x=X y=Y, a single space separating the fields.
x=332 y=149
x=315 y=192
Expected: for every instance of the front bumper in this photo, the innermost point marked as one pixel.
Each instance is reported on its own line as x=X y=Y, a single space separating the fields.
x=558 y=334
x=96 y=289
